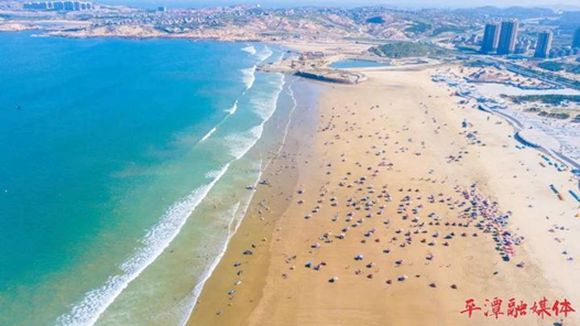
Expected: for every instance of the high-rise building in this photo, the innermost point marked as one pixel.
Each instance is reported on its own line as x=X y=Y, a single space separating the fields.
x=543 y=45
x=576 y=40
x=490 y=38
x=507 y=37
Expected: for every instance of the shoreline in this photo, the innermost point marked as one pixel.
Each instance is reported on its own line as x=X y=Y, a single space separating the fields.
x=371 y=200
x=284 y=241
x=254 y=220
x=264 y=168
x=103 y=310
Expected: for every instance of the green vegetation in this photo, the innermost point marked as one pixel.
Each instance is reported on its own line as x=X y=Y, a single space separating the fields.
x=546 y=99
x=402 y=49
x=552 y=66
x=546 y=76
x=448 y=28
x=477 y=64
x=559 y=66
x=418 y=28
x=554 y=115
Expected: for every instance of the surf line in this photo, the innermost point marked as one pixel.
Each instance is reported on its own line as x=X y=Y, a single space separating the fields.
x=233 y=227
x=198 y=289
x=248 y=81
x=96 y=301
x=230 y=112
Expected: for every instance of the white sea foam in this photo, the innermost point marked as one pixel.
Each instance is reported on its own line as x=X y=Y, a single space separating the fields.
x=265 y=106
x=264 y=54
x=213 y=174
x=290 y=116
x=96 y=301
x=250 y=49
x=192 y=300
x=208 y=134
x=210 y=268
x=240 y=144
x=234 y=108
x=249 y=76
x=230 y=111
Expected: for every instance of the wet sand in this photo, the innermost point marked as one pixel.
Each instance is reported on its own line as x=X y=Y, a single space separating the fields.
x=392 y=204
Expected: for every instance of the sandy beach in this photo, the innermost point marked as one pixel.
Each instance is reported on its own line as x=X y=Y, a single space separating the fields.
x=391 y=204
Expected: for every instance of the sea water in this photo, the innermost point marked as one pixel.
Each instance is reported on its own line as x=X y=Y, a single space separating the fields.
x=123 y=172
x=355 y=63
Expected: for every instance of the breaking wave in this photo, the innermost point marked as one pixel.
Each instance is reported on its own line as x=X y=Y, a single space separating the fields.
x=249 y=76
x=96 y=301
x=250 y=49
x=264 y=106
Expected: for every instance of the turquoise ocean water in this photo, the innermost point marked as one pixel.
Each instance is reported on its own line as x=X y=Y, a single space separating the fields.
x=123 y=171
x=353 y=63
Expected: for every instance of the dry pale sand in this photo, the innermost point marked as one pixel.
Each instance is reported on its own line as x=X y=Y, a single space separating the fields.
x=377 y=170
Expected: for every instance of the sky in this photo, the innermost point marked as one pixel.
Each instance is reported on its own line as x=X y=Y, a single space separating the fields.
x=420 y=3
x=349 y=3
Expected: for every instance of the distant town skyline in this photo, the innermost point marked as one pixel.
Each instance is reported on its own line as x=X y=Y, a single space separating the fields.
x=352 y=3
